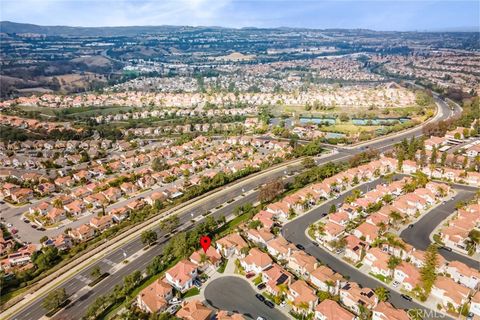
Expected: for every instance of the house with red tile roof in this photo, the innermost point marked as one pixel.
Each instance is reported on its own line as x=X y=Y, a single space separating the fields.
x=302 y=296
x=331 y=310
x=367 y=231
x=280 y=248
x=354 y=248
x=82 y=233
x=101 y=223
x=352 y=296
x=182 y=275
x=407 y=275
x=385 y=311
x=194 y=310
x=302 y=263
x=256 y=261
x=463 y=274
x=56 y=215
x=266 y=218
x=155 y=297
x=21 y=195
x=331 y=231
x=231 y=244
x=259 y=237
x=204 y=259
x=378 y=261
x=447 y=291
x=325 y=279
x=275 y=277
x=475 y=305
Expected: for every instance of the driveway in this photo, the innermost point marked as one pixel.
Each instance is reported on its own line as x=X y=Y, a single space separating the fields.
x=235 y=294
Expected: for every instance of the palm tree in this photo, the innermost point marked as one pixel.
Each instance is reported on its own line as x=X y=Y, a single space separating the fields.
x=393 y=262
x=382 y=293
x=57 y=203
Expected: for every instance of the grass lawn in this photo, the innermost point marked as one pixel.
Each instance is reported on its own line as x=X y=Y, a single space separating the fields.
x=380 y=277
x=257 y=280
x=190 y=293
x=222 y=267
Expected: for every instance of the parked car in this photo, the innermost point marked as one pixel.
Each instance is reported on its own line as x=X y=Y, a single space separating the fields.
x=173 y=309
x=261 y=318
x=175 y=300
x=260 y=297
x=261 y=286
x=269 y=304
x=34 y=226
x=249 y=275
x=406 y=297
x=299 y=246
x=26 y=220
x=197 y=283
x=447 y=248
x=395 y=284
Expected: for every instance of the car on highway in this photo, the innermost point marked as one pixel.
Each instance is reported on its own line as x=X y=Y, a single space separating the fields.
x=260 y=297
x=261 y=286
x=406 y=297
x=269 y=304
x=300 y=247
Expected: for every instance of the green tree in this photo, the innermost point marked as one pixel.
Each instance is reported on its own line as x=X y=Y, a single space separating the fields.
x=96 y=272
x=428 y=270
x=54 y=299
x=308 y=162
x=382 y=293
x=148 y=237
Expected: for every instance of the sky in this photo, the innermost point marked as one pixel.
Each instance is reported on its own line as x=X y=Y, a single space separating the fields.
x=388 y=15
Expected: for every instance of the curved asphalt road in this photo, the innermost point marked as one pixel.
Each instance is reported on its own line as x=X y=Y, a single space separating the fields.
x=235 y=294
x=419 y=235
x=295 y=233
x=75 y=284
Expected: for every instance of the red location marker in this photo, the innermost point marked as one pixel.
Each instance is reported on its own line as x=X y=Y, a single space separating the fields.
x=205 y=242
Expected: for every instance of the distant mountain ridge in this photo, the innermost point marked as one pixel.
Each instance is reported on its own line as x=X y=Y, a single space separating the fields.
x=15 y=27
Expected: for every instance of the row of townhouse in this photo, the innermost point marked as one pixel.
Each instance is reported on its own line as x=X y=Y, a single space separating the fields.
x=309 y=196
x=281 y=277
x=456 y=234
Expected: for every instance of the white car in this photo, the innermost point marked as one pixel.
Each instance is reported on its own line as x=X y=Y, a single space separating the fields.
x=395 y=284
x=175 y=301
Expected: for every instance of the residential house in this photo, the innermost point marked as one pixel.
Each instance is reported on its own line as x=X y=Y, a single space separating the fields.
x=302 y=296
x=352 y=296
x=449 y=292
x=407 y=275
x=182 y=275
x=260 y=236
x=302 y=263
x=463 y=274
x=256 y=261
x=231 y=244
x=325 y=279
x=331 y=310
x=155 y=297
x=275 y=277
x=385 y=311
x=194 y=310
